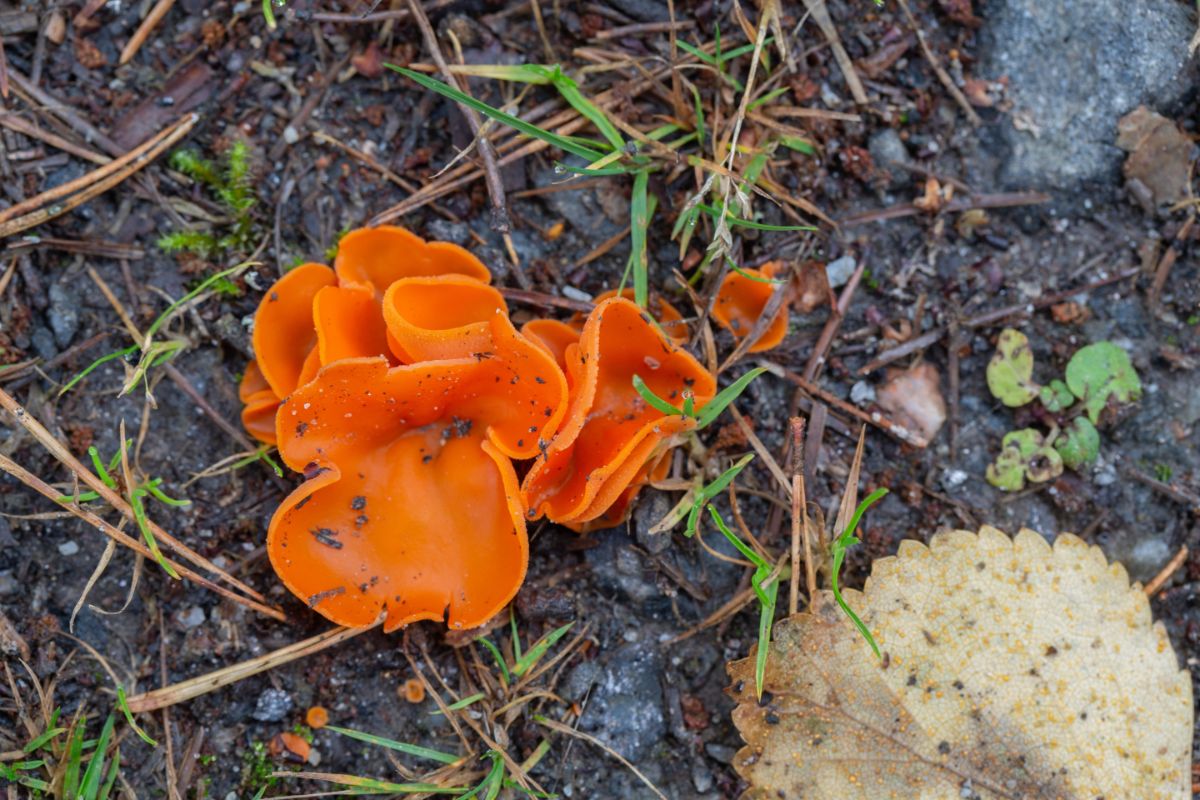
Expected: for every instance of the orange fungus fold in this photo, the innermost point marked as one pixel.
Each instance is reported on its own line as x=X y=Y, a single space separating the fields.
x=741 y=300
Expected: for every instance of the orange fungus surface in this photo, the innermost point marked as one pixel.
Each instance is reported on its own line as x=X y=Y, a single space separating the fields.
x=396 y=384
x=741 y=301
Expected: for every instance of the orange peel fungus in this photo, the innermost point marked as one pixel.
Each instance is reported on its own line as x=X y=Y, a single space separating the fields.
x=396 y=384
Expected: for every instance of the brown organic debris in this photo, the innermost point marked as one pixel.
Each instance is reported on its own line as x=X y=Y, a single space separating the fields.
x=1156 y=171
x=913 y=398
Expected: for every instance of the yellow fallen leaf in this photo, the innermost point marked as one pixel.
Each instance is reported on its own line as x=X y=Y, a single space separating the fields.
x=1010 y=670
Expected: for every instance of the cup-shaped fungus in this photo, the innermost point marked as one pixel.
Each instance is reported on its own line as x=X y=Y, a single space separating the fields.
x=411 y=504
x=610 y=433
x=741 y=300
x=315 y=315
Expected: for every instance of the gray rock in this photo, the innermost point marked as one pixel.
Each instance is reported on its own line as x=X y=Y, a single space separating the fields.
x=1074 y=69
x=626 y=710
x=443 y=230
x=68 y=548
x=63 y=315
x=272 y=706
x=889 y=154
x=651 y=508
x=580 y=681
x=8 y=584
x=42 y=341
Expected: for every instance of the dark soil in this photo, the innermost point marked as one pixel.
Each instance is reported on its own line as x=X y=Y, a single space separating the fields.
x=657 y=700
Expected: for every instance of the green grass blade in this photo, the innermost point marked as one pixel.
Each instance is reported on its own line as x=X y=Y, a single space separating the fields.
x=89 y=786
x=90 y=367
x=203 y=286
x=123 y=704
x=575 y=98
x=755 y=278
x=526 y=662
x=768 y=97
x=41 y=739
x=519 y=124
x=143 y=524
x=707 y=493
x=74 y=761
x=652 y=399
x=743 y=548
x=732 y=392
x=766 y=620
x=715 y=213
x=838 y=547
x=498 y=656
x=638 y=234
x=461 y=704
x=402 y=747
x=114 y=769
x=360 y=785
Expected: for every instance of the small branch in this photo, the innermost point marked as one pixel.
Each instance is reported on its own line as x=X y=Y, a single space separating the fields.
x=94 y=183
x=145 y=29
x=1158 y=581
x=820 y=15
x=943 y=76
x=194 y=687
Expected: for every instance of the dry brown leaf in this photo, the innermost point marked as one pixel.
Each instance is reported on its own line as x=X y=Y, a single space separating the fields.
x=1156 y=170
x=913 y=397
x=1010 y=670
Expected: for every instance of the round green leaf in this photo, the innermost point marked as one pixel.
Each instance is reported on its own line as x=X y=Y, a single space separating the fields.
x=1100 y=371
x=1010 y=372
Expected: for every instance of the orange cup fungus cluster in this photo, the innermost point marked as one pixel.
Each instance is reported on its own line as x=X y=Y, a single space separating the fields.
x=429 y=429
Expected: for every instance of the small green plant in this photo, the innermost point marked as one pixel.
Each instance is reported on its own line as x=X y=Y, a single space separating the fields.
x=137 y=500
x=231 y=186
x=1099 y=376
x=838 y=547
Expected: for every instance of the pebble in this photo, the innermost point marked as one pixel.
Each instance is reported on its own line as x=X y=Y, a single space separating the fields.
x=191 y=618
x=839 y=271
x=272 y=706
x=862 y=393
x=68 y=548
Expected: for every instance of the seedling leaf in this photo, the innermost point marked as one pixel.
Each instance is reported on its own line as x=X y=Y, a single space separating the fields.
x=1024 y=455
x=1010 y=372
x=1101 y=371
x=1079 y=443
x=1056 y=397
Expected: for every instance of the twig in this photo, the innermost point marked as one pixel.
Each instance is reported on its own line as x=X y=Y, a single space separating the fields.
x=817 y=359
x=306 y=110
x=943 y=76
x=988 y=319
x=94 y=520
x=762 y=451
x=820 y=15
x=203 y=684
x=68 y=460
x=1175 y=493
x=645 y=27
x=39 y=98
x=1158 y=581
x=567 y=730
x=546 y=300
x=96 y=182
x=145 y=29
x=878 y=420
x=1000 y=200
x=487 y=152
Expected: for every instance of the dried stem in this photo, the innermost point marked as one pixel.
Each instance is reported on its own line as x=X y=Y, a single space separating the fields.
x=194 y=687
